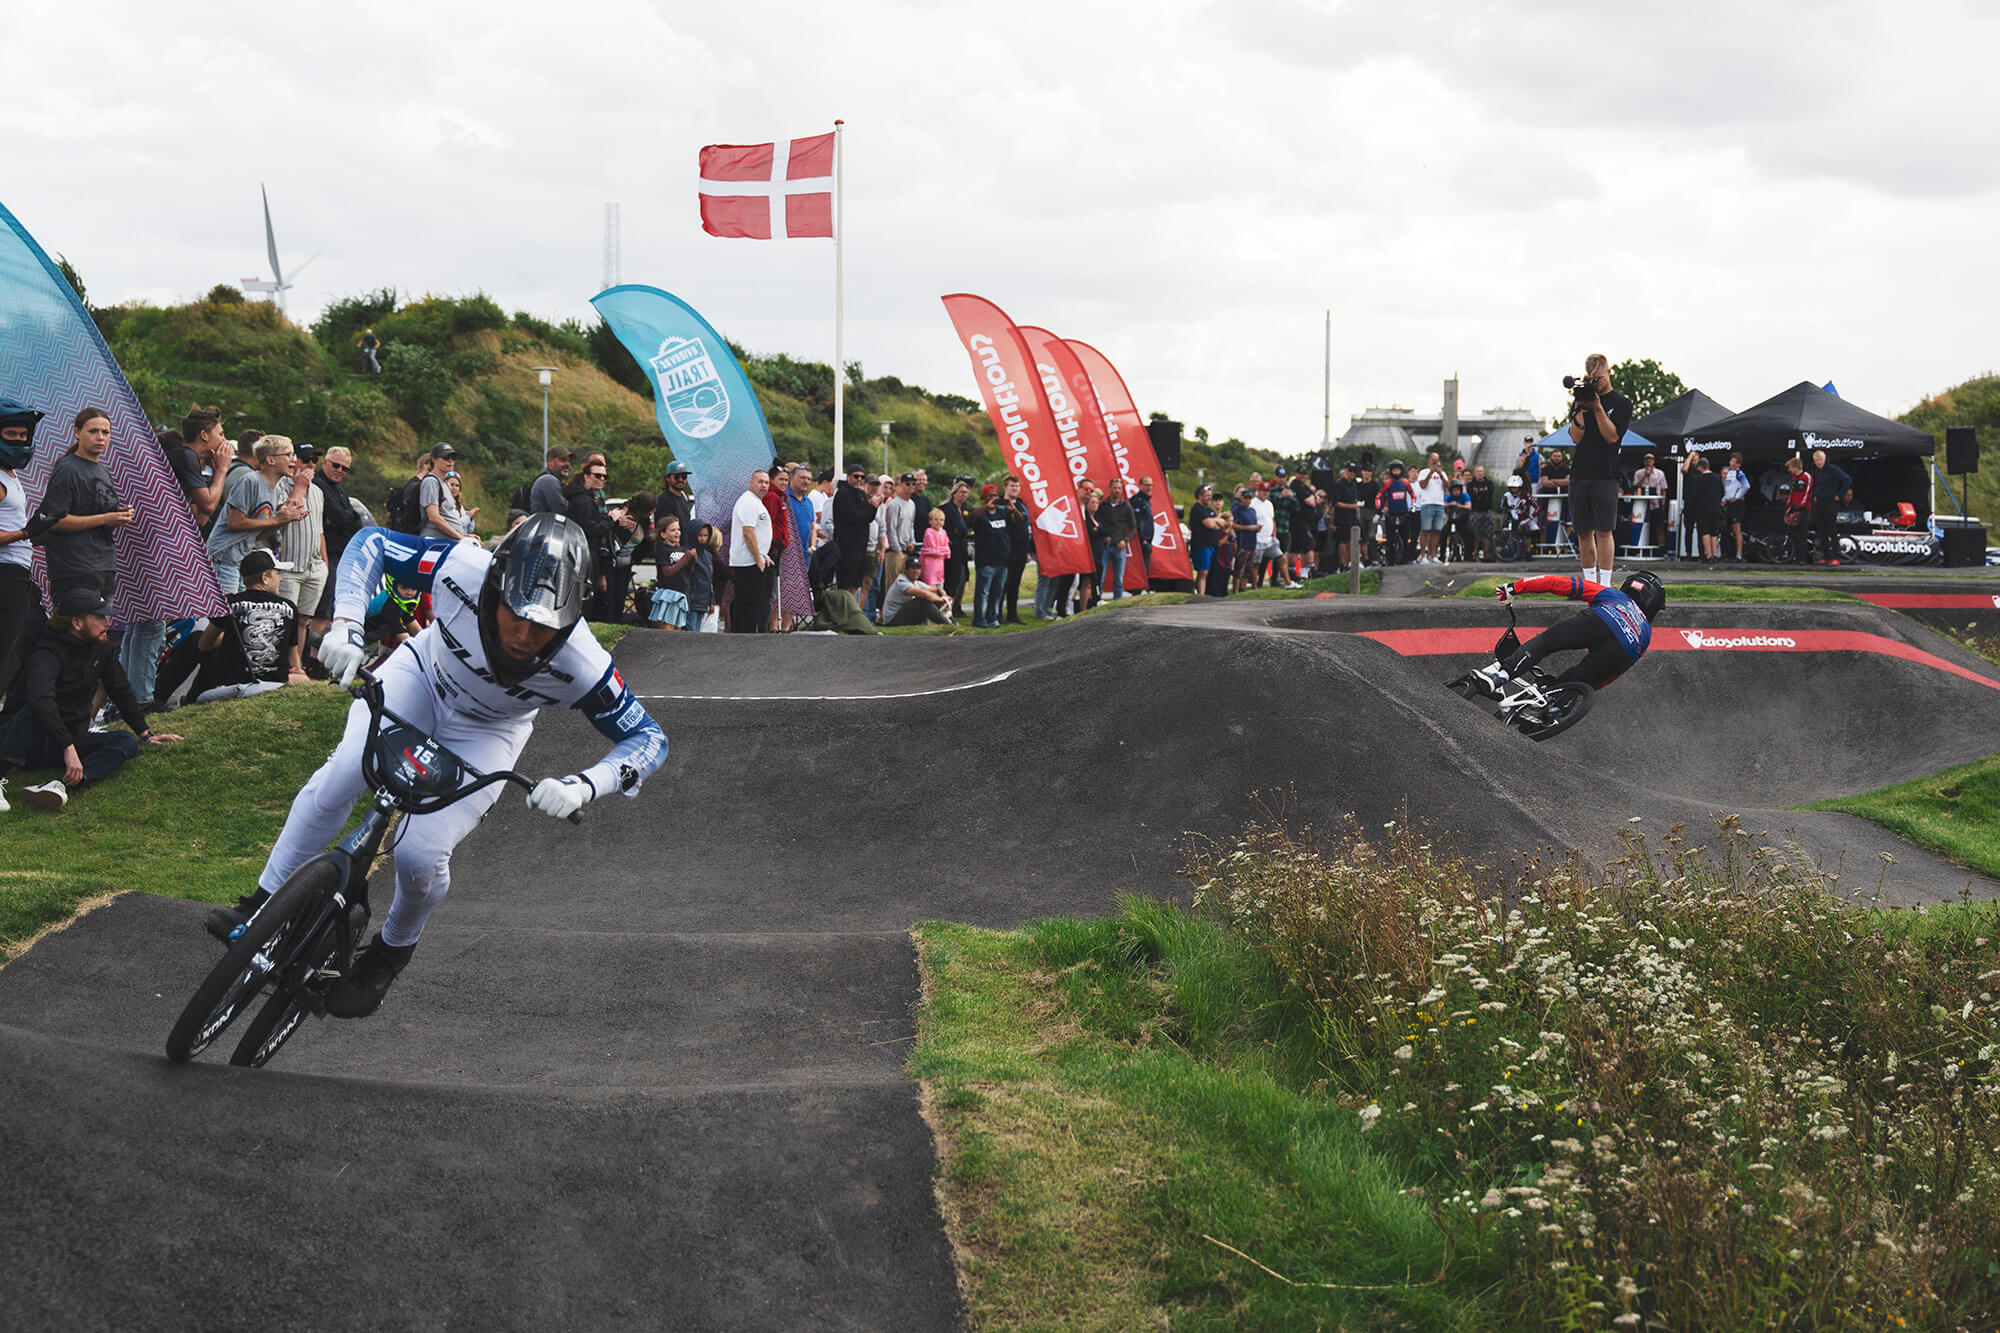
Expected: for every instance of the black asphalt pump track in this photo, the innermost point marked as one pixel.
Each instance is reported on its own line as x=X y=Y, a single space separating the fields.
x=649 y=1073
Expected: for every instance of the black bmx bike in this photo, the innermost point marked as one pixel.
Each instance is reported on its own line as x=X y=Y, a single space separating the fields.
x=306 y=934
x=1534 y=704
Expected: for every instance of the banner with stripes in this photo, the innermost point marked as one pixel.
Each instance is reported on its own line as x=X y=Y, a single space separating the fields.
x=53 y=359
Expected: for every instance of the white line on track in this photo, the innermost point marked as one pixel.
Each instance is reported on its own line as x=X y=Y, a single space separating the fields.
x=826 y=698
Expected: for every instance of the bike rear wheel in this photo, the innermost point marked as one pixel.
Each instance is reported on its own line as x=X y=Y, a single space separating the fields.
x=1567 y=703
x=256 y=955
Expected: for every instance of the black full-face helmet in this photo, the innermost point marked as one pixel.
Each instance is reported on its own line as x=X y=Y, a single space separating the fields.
x=1645 y=589
x=14 y=454
x=541 y=571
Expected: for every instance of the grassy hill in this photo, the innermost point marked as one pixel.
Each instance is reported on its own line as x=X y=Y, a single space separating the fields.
x=460 y=369
x=1974 y=403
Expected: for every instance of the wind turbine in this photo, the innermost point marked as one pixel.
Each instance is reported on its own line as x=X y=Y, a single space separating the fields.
x=278 y=285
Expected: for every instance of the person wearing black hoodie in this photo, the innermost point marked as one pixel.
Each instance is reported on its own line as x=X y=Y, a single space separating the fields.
x=45 y=722
x=853 y=512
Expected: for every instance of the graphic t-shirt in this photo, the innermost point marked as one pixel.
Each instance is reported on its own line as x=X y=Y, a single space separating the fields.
x=253 y=497
x=258 y=639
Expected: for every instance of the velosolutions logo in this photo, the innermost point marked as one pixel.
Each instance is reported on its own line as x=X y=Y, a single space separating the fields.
x=1702 y=639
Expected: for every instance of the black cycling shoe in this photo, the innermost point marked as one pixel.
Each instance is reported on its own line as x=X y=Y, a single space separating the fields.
x=360 y=992
x=225 y=923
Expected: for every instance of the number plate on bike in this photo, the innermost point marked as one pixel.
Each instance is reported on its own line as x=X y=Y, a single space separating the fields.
x=416 y=767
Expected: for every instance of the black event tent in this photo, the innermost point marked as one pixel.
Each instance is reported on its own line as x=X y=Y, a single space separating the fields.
x=1806 y=417
x=1879 y=454
x=1667 y=426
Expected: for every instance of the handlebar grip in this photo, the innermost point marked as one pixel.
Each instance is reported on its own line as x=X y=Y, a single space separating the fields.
x=576 y=817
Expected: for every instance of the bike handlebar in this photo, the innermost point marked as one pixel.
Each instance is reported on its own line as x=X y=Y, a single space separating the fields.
x=368 y=688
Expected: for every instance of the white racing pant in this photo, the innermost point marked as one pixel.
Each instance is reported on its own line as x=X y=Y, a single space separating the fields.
x=423 y=843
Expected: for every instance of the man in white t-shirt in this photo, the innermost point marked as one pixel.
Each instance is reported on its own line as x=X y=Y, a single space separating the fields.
x=1268 y=549
x=1430 y=488
x=750 y=557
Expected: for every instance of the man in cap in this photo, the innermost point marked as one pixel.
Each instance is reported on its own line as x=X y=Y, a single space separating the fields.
x=853 y=513
x=45 y=722
x=545 y=496
x=676 y=498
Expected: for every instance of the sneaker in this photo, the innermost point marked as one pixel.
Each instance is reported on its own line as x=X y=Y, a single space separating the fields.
x=1492 y=679
x=50 y=796
x=226 y=923
x=360 y=992
x=4 y=807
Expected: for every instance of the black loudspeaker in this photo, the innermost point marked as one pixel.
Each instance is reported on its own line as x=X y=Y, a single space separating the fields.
x=1166 y=437
x=1961 y=450
x=1964 y=545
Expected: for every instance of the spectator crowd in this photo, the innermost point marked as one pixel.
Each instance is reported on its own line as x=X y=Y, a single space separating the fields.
x=799 y=550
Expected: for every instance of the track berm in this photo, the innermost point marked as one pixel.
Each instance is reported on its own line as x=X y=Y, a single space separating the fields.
x=650 y=1073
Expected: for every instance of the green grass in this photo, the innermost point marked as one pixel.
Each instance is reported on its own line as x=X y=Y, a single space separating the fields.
x=193 y=819
x=1697 y=592
x=1371 y=581
x=1094 y=1143
x=1143 y=599
x=1955 y=813
x=1701 y=1092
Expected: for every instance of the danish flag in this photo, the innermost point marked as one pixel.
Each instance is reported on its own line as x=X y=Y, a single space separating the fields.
x=740 y=183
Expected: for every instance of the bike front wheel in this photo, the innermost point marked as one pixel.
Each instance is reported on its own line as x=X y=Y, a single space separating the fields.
x=252 y=960
x=283 y=1013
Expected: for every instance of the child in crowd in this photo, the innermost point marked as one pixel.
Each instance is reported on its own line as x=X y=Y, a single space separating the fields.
x=252 y=649
x=701 y=575
x=673 y=561
x=936 y=548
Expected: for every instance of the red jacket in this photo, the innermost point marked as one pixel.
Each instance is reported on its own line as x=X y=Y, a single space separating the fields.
x=781 y=518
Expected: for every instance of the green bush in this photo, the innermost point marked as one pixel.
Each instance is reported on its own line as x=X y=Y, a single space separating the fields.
x=418 y=381
x=340 y=325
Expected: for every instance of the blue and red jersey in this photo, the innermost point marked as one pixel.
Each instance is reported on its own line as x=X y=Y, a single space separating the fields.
x=1614 y=608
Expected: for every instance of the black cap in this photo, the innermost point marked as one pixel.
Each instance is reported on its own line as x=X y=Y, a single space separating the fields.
x=305 y=451
x=257 y=564
x=442 y=450
x=81 y=602
x=856 y=470
x=824 y=474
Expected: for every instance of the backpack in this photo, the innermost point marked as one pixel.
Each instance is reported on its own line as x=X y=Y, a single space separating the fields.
x=401 y=506
x=524 y=496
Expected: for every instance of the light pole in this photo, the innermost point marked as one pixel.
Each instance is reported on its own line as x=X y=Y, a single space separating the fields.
x=545 y=374
x=885 y=444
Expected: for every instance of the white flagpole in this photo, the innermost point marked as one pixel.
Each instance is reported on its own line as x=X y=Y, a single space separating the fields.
x=839 y=366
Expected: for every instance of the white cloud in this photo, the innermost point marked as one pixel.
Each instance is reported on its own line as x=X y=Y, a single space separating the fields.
x=1753 y=193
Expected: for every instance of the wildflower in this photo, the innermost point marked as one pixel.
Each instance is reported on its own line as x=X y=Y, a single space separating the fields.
x=1404 y=1052
x=1369 y=1115
x=1493 y=1199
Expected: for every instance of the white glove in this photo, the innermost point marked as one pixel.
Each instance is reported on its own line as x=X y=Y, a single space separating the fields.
x=561 y=797
x=341 y=651
x=1505 y=592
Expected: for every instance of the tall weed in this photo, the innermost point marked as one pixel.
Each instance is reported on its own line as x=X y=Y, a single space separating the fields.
x=1697 y=1090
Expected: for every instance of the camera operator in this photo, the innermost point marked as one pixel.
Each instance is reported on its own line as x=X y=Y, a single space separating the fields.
x=1598 y=419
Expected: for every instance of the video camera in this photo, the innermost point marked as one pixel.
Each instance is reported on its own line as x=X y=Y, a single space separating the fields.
x=1583 y=390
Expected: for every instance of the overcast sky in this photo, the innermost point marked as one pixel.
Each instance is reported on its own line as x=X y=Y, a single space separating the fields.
x=1752 y=192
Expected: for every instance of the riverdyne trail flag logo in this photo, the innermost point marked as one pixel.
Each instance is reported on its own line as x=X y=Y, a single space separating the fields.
x=742 y=185
x=690 y=388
